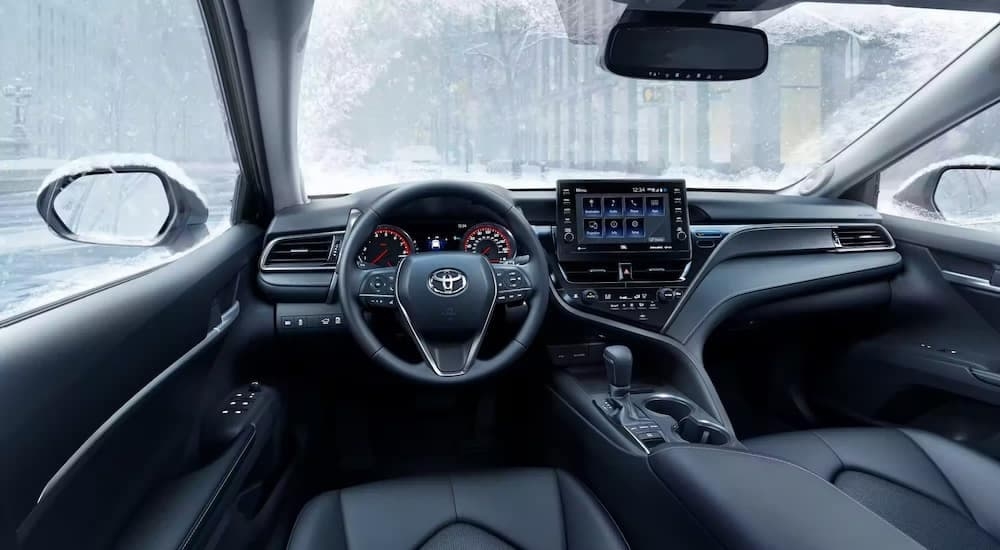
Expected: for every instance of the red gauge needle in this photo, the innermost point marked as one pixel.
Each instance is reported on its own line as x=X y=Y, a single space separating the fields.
x=487 y=250
x=380 y=256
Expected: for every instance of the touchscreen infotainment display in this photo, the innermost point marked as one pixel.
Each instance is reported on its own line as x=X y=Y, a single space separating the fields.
x=616 y=216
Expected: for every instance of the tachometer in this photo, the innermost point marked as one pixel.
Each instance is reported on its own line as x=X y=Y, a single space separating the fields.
x=490 y=240
x=387 y=245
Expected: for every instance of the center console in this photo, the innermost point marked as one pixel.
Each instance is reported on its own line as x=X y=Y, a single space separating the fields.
x=623 y=247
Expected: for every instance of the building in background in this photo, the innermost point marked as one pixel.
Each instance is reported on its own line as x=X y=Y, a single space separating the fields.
x=569 y=113
x=93 y=91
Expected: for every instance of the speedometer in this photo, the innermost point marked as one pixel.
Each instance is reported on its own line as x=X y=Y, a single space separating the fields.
x=490 y=240
x=387 y=245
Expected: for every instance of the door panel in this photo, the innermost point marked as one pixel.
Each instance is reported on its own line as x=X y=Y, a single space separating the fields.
x=936 y=364
x=105 y=398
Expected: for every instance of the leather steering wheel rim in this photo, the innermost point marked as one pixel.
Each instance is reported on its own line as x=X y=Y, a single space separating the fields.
x=349 y=277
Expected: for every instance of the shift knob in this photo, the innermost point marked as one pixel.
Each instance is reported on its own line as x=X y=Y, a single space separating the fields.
x=618 y=362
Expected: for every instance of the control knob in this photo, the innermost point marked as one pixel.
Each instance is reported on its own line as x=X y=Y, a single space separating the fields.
x=569 y=237
x=589 y=296
x=681 y=236
x=665 y=294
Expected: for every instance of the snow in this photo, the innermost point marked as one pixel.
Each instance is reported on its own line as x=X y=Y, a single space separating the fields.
x=60 y=284
x=109 y=161
x=965 y=160
x=333 y=180
x=922 y=42
x=351 y=51
x=29 y=164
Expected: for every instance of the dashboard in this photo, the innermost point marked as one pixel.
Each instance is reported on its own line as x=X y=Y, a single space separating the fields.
x=389 y=243
x=644 y=255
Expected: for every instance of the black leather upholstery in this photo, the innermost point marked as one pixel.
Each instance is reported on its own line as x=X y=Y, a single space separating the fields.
x=752 y=501
x=529 y=509
x=938 y=492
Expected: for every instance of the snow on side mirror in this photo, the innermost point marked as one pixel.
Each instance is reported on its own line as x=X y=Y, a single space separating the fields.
x=123 y=200
x=965 y=191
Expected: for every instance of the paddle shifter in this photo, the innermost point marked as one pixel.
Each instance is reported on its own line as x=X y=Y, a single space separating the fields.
x=619 y=406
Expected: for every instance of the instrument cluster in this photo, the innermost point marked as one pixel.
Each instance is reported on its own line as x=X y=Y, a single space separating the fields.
x=389 y=244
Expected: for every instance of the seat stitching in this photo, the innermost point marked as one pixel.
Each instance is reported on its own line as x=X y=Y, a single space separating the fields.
x=813 y=474
x=604 y=508
x=298 y=518
x=562 y=509
x=832 y=450
x=454 y=501
x=343 y=520
x=961 y=501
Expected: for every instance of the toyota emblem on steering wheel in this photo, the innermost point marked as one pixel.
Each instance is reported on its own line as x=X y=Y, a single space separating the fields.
x=447 y=282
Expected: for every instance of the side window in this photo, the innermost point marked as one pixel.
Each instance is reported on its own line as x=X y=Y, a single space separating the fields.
x=954 y=179
x=112 y=79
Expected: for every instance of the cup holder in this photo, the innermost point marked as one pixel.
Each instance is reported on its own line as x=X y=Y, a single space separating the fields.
x=674 y=408
x=693 y=431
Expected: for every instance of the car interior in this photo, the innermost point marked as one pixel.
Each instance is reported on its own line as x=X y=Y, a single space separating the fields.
x=611 y=362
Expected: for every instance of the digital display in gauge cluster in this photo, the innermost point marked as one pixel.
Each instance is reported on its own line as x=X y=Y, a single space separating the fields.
x=388 y=244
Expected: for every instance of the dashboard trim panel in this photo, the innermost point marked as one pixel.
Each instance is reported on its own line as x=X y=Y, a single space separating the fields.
x=733 y=232
x=970 y=281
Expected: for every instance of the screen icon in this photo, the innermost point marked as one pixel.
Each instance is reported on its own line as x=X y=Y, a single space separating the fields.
x=592 y=229
x=634 y=206
x=613 y=227
x=654 y=206
x=635 y=227
x=592 y=206
x=613 y=207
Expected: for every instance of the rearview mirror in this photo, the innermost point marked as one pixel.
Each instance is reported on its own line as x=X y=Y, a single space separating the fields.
x=961 y=192
x=125 y=204
x=665 y=51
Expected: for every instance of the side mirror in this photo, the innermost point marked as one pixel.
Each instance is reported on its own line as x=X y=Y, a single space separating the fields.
x=960 y=192
x=122 y=201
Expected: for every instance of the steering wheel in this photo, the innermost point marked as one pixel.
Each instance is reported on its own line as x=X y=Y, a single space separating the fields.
x=445 y=299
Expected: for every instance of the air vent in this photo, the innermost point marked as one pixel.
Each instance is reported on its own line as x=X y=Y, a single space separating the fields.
x=315 y=252
x=611 y=272
x=591 y=272
x=868 y=237
x=658 y=272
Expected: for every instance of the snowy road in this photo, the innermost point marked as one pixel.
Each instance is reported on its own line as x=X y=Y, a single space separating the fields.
x=36 y=266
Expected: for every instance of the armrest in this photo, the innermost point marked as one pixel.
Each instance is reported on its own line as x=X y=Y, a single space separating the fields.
x=748 y=500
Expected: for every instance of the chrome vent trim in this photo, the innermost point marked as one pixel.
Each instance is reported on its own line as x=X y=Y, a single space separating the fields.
x=328 y=263
x=861 y=238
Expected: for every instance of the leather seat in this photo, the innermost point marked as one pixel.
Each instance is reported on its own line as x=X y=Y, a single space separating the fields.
x=938 y=492
x=529 y=509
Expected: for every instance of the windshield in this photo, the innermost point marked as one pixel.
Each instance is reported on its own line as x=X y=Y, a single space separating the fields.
x=500 y=91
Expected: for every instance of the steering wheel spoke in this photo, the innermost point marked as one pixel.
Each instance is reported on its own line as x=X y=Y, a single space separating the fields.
x=378 y=288
x=513 y=284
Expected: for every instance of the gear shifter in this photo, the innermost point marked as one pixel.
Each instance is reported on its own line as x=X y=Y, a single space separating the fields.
x=618 y=405
x=618 y=363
